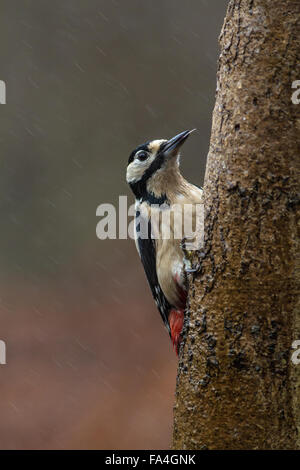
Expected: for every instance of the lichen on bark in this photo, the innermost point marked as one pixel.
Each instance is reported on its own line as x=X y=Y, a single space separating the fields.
x=237 y=387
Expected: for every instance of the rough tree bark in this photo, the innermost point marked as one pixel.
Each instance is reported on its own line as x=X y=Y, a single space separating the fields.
x=237 y=387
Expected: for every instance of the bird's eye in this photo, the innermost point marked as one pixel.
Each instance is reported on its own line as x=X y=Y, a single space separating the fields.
x=142 y=156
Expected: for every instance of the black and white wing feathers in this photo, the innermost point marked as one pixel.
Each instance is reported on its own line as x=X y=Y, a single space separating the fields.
x=147 y=251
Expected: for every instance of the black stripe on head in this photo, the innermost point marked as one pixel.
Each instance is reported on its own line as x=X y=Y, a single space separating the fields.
x=140 y=147
x=139 y=188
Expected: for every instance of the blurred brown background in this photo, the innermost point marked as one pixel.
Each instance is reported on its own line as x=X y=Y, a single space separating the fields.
x=89 y=364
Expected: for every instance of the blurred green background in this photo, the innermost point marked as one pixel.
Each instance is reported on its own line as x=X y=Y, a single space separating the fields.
x=89 y=364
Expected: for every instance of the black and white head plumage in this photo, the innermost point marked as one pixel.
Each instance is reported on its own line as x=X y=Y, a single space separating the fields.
x=143 y=163
x=156 y=157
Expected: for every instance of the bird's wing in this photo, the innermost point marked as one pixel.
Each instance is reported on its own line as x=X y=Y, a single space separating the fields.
x=147 y=251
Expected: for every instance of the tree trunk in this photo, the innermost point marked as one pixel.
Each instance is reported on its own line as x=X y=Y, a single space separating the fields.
x=237 y=387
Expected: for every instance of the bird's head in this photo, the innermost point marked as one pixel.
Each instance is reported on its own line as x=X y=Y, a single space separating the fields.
x=153 y=165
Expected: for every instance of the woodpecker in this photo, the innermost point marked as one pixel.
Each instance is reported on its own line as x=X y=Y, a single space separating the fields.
x=154 y=176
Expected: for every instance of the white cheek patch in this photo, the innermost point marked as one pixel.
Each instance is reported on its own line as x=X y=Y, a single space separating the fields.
x=133 y=173
x=136 y=169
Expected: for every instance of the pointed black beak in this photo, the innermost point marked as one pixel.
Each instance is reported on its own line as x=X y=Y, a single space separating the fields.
x=173 y=145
